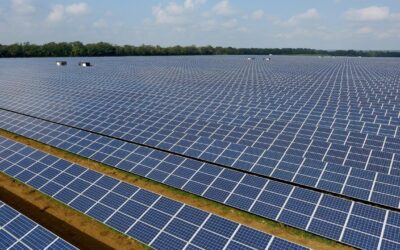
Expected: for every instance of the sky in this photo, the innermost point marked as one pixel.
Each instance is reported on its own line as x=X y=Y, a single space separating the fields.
x=322 y=24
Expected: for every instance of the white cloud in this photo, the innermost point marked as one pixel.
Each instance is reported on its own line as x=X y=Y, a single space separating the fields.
x=231 y=23
x=208 y=25
x=316 y=33
x=242 y=29
x=173 y=12
x=387 y=34
x=191 y=4
x=365 y=30
x=375 y=33
x=174 y=9
x=166 y=15
x=257 y=15
x=100 y=23
x=395 y=16
x=22 y=6
x=59 y=12
x=223 y=8
x=310 y=14
x=56 y=14
x=372 y=13
x=77 y=8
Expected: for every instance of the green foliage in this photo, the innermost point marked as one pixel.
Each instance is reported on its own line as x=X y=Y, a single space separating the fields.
x=105 y=49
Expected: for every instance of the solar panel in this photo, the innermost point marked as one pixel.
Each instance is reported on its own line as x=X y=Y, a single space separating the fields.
x=328 y=125
x=286 y=167
x=19 y=232
x=145 y=216
x=230 y=111
x=355 y=183
x=318 y=213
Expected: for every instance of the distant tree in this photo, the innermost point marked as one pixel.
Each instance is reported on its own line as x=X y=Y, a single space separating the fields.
x=15 y=50
x=77 y=48
x=100 y=49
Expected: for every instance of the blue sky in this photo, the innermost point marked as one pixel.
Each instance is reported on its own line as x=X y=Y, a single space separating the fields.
x=322 y=24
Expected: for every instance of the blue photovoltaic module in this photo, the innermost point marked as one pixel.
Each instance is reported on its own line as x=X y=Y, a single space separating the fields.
x=278 y=139
x=19 y=232
x=321 y=214
x=155 y=220
x=294 y=119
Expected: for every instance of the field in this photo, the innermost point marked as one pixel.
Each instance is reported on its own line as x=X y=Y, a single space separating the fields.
x=302 y=148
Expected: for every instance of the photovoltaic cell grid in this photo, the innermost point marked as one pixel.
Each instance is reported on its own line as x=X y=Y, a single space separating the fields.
x=328 y=216
x=165 y=131
x=365 y=185
x=317 y=123
x=293 y=119
x=148 y=217
x=19 y=232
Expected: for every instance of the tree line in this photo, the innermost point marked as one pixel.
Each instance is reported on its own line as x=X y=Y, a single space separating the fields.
x=64 y=49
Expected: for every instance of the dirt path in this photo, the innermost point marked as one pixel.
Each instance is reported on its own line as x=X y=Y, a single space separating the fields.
x=76 y=228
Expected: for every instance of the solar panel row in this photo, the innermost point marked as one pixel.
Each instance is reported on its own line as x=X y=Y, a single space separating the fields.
x=19 y=232
x=231 y=107
x=282 y=156
x=107 y=103
x=330 y=125
x=359 y=150
x=267 y=80
x=132 y=111
x=148 y=217
x=325 y=215
x=354 y=150
x=355 y=183
x=342 y=146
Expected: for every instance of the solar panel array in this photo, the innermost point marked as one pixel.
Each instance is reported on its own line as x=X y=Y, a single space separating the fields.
x=321 y=124
x=148 y=217
x=292 y=124
x=19 y=232
x=325 y=215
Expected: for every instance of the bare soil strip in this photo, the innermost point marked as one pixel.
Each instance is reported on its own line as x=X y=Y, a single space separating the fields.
x=262 y=224
x=76 y=228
